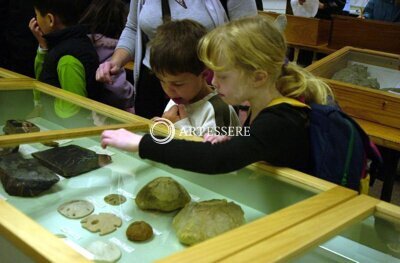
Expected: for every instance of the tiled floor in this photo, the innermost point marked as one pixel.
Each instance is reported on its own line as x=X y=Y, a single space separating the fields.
x=375 y=191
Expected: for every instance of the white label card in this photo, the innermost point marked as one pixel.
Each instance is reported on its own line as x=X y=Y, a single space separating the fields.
x=27 y=149
x=126 y=193
x=79 y=249
x=70 y=233
x=122 y=245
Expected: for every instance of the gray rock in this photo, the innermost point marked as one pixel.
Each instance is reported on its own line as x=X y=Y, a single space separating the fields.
x=358 y=75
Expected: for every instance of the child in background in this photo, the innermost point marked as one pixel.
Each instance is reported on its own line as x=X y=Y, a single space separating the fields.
x=106 y=19
x=248 y=57
x=66 y=58
x=194 y=106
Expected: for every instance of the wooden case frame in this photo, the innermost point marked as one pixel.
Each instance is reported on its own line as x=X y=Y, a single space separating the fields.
x=16 y=227
x=373 y=109
x=42 y=246
x=365 y=33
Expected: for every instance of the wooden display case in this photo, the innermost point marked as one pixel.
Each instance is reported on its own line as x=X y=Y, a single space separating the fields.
x=362 y=229
x=5 y=73
x=304 y=30
x=364 y=33
x=273 y=198
x=368 y=104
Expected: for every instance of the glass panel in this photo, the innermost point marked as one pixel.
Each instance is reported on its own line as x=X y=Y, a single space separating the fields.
x=372 y=240
x=256 y=193
x=48 y=113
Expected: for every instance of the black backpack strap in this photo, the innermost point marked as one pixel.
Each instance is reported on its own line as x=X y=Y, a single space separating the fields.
x=225 y=5
x=166 y=11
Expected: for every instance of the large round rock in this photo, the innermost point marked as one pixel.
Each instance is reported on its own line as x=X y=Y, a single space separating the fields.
x=162 y=194
x=197 y=222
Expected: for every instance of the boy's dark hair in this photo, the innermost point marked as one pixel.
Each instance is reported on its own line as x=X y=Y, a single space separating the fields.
x=174 y=48
x=106 y=17
x=68 y=11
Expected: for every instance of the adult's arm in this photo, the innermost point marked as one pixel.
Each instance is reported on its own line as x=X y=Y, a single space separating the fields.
x=125 y=49
x=240 y=8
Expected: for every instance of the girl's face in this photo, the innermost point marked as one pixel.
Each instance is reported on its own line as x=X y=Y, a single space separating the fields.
x=230 y=86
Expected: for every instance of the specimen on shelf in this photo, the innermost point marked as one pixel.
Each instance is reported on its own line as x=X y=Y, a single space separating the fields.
x=76 y=209
x=162 y=194
x=104 y=223
x=139 y=231
x=25 y=177
x=197 y=222
x=71 y=160
x=114 y=199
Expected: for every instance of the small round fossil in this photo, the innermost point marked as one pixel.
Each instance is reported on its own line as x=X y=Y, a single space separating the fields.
x=114 y=199
x=139 y=231
x=76 y=209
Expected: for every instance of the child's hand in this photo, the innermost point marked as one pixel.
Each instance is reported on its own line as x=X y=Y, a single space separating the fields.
x=175 y=113
x=121 y=139
x=106 y=70
x=215 y=138
x=37 y=32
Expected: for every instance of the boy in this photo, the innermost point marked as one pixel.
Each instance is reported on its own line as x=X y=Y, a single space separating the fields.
x=66 y=57
x=195 y=107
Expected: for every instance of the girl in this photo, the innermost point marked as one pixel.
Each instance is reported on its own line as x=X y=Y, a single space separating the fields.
x=248 y=60
x=106 y=19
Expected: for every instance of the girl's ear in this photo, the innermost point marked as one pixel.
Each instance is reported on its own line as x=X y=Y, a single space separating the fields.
x=260 y=78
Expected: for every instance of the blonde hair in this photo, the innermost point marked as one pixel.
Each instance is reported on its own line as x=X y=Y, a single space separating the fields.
x=255 y=43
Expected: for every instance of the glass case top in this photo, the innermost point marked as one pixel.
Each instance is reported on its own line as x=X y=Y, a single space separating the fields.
x=45 y=112
x=375 y=239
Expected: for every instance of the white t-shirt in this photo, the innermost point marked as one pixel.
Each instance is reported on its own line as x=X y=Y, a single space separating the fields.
x=205 y=115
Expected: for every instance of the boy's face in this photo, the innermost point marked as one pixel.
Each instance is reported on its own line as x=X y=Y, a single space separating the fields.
x=45 y=22
x=183 y=88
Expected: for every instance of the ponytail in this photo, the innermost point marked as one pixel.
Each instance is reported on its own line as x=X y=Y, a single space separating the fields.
x=295 y=82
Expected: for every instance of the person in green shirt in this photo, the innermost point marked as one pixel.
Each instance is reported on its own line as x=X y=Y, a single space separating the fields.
x=66 y=57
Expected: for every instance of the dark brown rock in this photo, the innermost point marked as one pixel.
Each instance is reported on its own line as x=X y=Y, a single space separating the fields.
x=139 y=231
x=71 y=160
x=25 y=177
x=19 y=126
